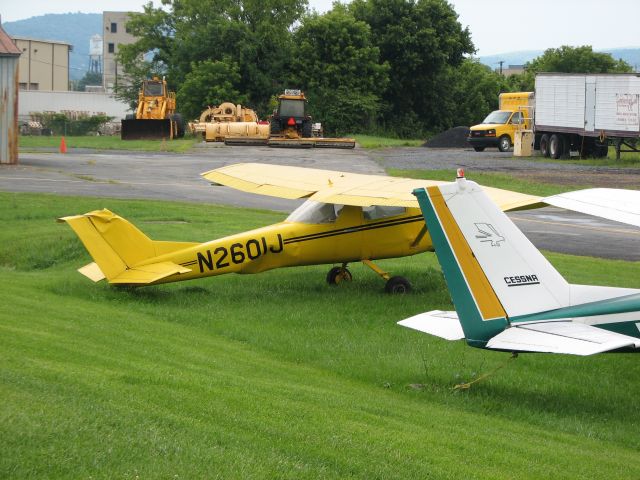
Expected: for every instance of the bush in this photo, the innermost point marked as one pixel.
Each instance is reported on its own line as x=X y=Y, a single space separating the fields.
x=68 y=124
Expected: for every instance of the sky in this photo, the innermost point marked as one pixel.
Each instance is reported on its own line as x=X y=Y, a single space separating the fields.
x=497 y=26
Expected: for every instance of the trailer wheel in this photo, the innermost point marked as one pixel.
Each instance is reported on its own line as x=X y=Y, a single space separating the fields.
x=555 y=146
x=601 y=150
x=544 y=145
x=504 y=144
x=566 y=146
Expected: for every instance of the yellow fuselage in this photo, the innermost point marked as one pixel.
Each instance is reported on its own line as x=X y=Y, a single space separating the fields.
x=349 y=238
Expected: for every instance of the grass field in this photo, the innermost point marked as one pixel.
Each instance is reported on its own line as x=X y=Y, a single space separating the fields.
x=372 y=141
x=107 y=143
x=278 y=375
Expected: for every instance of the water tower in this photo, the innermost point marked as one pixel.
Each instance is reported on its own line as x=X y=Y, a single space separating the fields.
x=95 y=54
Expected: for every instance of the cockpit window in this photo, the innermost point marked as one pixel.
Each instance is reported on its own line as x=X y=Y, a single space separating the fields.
x=315 y=213
x=376 y=212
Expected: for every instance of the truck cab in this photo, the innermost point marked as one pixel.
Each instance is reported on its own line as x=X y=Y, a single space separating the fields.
x=499 y=127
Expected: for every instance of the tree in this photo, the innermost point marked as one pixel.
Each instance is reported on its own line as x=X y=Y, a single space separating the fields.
x=475 y=91
x=253 y=34
x=338 y=67
x=567 y=60
x=209 y=83
x=420 y=39
x=90 y=78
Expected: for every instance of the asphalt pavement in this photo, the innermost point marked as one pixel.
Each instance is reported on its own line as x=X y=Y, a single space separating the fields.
x=170 y=176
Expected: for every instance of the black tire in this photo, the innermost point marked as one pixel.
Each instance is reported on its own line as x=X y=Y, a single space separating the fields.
x=555 y=146
x=479 y=149
x=130 y=116
x=504 y=143
x=544 y=145
x=177 y=118
x=601 y=150
x=306 y=129
x=274 y=126
x=397 y=285
x=566 y=147
x=338 y=275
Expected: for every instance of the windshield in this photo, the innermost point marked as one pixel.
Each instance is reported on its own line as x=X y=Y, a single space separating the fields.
x=499 y=116
x=315 y=213
x=292 y=108
x=153 y=89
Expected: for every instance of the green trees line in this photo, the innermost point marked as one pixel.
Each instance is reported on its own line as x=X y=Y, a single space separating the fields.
x=397 y=67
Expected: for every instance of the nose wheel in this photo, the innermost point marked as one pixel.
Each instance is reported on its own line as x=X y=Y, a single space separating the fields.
x=338 y=275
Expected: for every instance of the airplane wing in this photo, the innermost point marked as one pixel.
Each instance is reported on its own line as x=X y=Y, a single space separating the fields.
x=343 y=188
x=610 y=203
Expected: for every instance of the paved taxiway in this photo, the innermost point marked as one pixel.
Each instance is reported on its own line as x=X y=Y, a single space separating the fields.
x=169 y=176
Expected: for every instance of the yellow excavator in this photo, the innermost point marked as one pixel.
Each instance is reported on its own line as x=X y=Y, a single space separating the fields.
x=155 y=116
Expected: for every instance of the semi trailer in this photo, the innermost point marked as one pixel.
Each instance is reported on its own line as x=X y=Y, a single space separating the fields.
x=569 y=113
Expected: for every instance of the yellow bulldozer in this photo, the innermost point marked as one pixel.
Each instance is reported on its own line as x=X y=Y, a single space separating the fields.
x=155 y=116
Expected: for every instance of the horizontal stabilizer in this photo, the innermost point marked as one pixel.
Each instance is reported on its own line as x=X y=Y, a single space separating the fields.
x=436 y=322
x=561 y=337
x=92 y=272
x=150 y=273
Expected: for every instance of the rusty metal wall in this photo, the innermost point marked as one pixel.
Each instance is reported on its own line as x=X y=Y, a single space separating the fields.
x=9 y=109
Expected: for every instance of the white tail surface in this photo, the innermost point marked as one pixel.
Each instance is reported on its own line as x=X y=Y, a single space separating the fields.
x=522 y=278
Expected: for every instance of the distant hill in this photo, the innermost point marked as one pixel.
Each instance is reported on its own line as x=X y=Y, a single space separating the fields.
x=629 y=55
x=73 y=28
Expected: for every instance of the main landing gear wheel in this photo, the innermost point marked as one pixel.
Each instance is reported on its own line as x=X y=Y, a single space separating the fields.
x=397 y=285
x=338 y=275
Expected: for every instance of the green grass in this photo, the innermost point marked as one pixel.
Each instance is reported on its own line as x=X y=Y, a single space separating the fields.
x=107 y=143
x=278 y=375
x=371 y=141
x=497 y=180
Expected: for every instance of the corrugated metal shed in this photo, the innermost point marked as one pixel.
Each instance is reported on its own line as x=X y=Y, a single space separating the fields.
x=9 y=55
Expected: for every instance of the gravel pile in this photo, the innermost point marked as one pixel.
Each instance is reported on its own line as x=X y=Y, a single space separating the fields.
x=455 y=137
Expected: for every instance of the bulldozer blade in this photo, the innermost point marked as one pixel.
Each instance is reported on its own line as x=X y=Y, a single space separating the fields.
x=291 y=142
x=134 y=129
x=248 y=141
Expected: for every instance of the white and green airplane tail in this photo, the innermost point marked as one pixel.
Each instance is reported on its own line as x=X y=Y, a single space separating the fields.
x=506 y=294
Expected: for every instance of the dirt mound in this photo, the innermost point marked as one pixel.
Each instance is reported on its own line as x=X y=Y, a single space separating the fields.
x=455 y=137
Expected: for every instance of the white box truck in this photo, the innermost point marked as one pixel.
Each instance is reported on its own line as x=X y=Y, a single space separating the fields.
x=585 y=113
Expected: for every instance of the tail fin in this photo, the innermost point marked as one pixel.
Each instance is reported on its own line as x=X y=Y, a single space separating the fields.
x=490 y=267
x=117 y=247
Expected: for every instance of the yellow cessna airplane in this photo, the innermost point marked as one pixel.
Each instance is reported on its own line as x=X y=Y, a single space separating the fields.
x=346 y=218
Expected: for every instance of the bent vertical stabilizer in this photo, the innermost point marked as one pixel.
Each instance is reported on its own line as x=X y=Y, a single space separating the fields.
x=121 y=252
